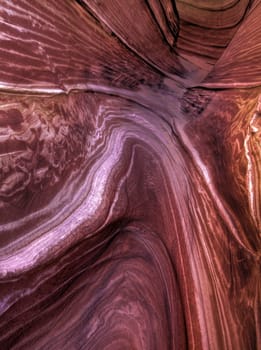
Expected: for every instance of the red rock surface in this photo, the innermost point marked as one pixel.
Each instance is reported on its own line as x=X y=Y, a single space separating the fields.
x=130 y=165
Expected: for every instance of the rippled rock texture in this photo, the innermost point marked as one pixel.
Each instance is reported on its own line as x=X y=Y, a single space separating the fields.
x=130 y=167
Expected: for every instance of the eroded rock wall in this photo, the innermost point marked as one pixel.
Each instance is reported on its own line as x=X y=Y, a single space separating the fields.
x=130 y=174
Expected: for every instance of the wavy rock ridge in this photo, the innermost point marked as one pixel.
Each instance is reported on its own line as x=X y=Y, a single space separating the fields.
x=130 y=166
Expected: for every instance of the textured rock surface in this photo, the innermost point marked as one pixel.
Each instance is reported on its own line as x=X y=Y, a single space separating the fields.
x=130 y=167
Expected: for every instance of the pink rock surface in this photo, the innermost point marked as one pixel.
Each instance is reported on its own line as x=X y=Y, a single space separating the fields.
x=130 y=165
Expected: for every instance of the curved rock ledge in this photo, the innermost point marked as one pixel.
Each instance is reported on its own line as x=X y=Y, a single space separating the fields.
x=130 y=171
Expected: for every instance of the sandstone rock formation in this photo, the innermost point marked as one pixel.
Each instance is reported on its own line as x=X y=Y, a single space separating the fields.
x=130 y=165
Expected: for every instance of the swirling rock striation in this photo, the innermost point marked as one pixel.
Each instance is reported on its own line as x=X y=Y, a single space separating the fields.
x=130 y=175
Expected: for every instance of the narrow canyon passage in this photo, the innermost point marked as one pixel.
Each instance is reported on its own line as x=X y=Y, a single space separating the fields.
x=130 y=165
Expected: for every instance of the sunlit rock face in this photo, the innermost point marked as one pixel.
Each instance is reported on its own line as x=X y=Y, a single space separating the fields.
x=130 y=167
